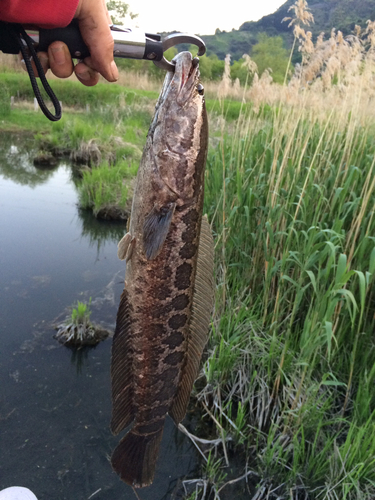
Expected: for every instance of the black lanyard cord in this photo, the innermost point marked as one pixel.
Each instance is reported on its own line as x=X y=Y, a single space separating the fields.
x=20 y=34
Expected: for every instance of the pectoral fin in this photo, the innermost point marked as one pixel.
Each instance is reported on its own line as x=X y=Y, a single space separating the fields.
x=156 y=228
x=125 y=247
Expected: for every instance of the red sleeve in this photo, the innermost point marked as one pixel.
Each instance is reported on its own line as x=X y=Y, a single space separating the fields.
x=43 y=13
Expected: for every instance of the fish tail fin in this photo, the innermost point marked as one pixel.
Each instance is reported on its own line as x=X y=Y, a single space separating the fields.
x=135 y=457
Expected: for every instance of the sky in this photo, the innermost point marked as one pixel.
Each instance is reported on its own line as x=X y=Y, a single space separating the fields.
x=200 y=17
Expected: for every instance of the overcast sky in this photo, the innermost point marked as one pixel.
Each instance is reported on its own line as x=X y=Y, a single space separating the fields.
x=200 y=17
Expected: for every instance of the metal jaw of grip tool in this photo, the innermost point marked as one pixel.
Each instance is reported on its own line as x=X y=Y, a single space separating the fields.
x=135 y=44
x=174 y=39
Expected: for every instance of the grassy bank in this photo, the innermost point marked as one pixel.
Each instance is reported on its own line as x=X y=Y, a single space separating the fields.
x=71 y=93
x=103 y=130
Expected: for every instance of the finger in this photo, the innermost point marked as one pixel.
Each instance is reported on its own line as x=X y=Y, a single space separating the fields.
x=86 y=75
x=95 y=32
x=60 y=61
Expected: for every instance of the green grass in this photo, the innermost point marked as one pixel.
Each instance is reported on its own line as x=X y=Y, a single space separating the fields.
x=130 y=124
x=23 y=120
x=74 y=94
x=291 y=369
x=81 y=313
x=107 y=186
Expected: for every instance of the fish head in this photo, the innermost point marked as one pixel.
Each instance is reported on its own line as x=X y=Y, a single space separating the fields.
x=180 y=133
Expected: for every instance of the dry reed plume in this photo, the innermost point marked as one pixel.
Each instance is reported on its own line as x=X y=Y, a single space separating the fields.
x=335 y=73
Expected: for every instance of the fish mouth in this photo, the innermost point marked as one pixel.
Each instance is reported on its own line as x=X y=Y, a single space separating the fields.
x=186 y=76
x=191 y=71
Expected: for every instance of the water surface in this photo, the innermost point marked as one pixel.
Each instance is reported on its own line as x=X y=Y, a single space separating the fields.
x=54 y=402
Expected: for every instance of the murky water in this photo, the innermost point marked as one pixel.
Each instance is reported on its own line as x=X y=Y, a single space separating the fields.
x=55 y=403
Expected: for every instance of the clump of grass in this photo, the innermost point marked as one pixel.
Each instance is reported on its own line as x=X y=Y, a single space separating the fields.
x=77 y=330
x=81 y=314
x=107 y=189
x=112 y=150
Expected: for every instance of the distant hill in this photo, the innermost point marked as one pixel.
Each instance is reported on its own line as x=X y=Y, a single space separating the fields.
x=328 y=14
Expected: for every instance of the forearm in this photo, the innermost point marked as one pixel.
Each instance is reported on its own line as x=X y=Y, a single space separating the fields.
x=43 y=13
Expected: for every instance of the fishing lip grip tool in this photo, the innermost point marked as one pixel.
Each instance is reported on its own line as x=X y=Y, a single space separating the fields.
x=128 y=43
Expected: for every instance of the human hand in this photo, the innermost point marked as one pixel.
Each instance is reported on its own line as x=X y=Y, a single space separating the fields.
x=93 y=20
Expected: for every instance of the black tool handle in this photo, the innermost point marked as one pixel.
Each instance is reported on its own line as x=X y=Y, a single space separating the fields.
x=128 y=44
x=70 y=35
x=8 y=44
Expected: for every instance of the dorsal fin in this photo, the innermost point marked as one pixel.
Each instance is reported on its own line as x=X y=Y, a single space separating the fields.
x=122 y=369
x=203 y=301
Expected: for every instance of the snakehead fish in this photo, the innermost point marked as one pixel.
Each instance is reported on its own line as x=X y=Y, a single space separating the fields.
x=165 y=308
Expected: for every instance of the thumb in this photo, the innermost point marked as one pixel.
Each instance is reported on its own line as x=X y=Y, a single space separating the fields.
x=93 y=20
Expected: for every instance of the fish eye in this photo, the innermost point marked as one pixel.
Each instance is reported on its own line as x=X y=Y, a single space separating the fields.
x=200 y=89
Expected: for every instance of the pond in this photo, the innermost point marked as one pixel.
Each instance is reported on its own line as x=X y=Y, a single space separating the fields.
x=55 y=403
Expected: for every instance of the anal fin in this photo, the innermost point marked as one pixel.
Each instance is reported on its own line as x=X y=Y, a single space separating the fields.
x=122 y=369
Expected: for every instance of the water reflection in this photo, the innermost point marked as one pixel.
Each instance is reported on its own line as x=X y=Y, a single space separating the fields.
x=15 y=161
x=55 y=404
x=99 y=232
x=79 y=357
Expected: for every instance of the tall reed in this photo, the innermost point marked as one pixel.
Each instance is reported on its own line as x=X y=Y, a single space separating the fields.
x=291 y=194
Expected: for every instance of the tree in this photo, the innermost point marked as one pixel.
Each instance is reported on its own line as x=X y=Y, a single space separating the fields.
x=119 y=10
x=269 y=52
x=205 y=67
x=217 y=67
x=238 y=70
